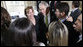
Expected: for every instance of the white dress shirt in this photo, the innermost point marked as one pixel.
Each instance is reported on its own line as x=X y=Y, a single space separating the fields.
x=74 y=9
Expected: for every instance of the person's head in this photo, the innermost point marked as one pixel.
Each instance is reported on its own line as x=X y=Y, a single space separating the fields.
x=78 y=24
x=5 y=19
x=75 y=4
x=57 y=34
x=29 y=12
x=21 y=33
x=43 y=6
x=5 y=23
x=62 y=10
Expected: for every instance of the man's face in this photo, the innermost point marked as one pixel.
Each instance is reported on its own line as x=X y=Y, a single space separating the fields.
x=42 y=9
x=78 y=25
x=58 y=14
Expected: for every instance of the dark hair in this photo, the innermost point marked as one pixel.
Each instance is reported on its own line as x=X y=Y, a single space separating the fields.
x=21 y=33
x=76 y=4
x=63 y=7
x=5 y=19
x=5 y=22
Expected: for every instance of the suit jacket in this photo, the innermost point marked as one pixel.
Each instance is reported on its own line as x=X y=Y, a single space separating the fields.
x=72 y=34
x=37 y=28
x=75 y=14
x=79 y=43
x=42 y=23
x=37 y=25
x=43 y=28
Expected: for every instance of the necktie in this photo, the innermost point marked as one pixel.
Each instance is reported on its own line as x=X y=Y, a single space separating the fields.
x=46 y=19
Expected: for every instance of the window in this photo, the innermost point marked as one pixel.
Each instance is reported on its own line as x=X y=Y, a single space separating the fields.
x=15 y=8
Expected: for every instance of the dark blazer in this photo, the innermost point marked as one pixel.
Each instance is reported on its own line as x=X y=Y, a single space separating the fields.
x=42 y=29
x=72 y=34
x=77 y=43
x=37 y=25
x=75 y=14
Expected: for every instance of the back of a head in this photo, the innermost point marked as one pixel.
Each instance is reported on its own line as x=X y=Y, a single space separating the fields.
x=22 y=33
x=76 y=4
x=58 y=34
x=5 y=19
x=63 y=7
x=5 y=22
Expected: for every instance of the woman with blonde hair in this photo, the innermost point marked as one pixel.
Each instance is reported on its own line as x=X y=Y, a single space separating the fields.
x=57 y=34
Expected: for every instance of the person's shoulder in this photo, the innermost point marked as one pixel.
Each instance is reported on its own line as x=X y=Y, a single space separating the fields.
x=40 y=13
x=78 y=44
x=78 y=11
x=67 y=22
x=36 y=17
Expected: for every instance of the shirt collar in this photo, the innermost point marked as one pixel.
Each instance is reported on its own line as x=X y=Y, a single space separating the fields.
x=74 y=9
x=62 y=20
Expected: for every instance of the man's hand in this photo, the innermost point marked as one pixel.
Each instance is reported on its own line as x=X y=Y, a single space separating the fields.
x=70 y=19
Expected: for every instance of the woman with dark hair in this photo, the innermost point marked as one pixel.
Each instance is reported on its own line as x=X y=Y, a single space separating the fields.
x=21 y=33
x=5 y=18
x=29 y=12
x=5 y=22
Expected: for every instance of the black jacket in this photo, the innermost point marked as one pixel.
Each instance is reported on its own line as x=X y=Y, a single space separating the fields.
x=37 y=25
x=42 y=29
x=72 y=34
x=79 y=44
x=75 y=14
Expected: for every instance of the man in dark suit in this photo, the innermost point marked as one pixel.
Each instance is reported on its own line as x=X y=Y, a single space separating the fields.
x=78 y=27
x=75 y=12
x=62 y=10
x=44 y=20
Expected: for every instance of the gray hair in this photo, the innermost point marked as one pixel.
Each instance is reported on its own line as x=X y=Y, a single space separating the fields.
x=58 y=34
x=44 y=3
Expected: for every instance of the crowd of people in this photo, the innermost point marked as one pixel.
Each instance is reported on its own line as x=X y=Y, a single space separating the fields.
x=48 y=28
